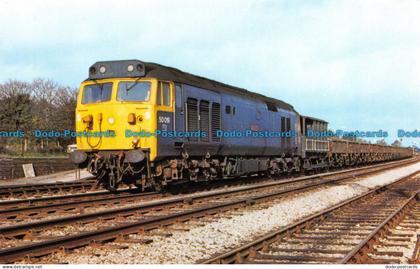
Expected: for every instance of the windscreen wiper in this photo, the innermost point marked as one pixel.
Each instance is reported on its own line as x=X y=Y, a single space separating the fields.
x=134 y=84
x=100 y=86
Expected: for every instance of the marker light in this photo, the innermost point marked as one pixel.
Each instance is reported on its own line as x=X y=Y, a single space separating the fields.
x=87 y=119
x=111 y=120
x=131 y=118
x=102 y=69
x=130 y=68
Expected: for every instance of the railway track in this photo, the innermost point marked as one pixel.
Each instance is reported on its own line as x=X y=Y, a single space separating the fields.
x=393 y=238
x=359 y=230
x=37 y=208
x=101 y=196
x=29 y=193
x=70 y=204
x=34 y=239
x=58 y=199
x=69 y=210
x=33 y=190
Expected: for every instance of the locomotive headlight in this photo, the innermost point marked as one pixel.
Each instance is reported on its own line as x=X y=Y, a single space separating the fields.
x=102 y=69
x=92 y=70
x=111 y=120
x=147 y=115
x=130 y=68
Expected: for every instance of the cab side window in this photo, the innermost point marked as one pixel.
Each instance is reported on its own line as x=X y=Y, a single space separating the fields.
x=164 y=94
x=159 y=94
x=178 y=96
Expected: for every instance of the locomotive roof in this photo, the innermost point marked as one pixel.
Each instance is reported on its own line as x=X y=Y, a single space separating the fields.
x=314 y=119
x=154 y=70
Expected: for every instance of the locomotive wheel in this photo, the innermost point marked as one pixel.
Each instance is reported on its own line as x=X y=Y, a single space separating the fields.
x=158 y=187
x=111 y=188
x=109 y=184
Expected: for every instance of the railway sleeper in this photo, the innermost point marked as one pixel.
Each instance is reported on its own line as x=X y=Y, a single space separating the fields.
x=287 y=258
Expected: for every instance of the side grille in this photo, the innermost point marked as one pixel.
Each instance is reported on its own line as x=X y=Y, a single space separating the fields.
x=192 y=117
x=215 y=121
x=283 y=129
x=288 y=139
x=205 y=119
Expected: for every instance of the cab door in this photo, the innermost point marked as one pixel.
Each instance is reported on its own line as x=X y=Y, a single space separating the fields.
x=179 y=118
x=165 y=118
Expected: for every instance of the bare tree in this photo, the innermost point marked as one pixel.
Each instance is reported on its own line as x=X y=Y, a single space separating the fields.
x=15 y=111
x=396 y=143
x=65 y=104
x=12 y=87
x=381 y=142
x=41 y=104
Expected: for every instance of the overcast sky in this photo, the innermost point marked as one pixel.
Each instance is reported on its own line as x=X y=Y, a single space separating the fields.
x=354 y=63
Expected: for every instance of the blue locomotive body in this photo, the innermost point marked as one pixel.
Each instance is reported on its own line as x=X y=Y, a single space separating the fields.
x=233 y=125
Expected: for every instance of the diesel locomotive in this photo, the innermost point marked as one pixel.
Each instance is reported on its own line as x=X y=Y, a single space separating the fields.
x=151 y=125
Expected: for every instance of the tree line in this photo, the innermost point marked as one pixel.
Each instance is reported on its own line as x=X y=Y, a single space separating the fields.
x=41 y=104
